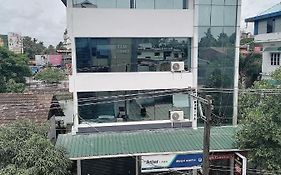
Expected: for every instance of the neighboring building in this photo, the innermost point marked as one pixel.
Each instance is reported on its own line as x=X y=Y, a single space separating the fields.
x=136 y=63
x=4 y=41
x=38 y=108
x=45 y=60
x=267 y=31
x=15 y=43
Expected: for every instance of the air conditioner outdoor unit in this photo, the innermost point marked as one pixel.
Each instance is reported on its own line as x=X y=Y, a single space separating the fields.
x=177 y=66
x=176 y=116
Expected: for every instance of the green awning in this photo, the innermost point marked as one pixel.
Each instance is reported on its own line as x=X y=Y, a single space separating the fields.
x=105 y=145
x=272 y=49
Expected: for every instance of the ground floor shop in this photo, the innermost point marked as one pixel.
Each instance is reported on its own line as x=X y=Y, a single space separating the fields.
x=174 y=151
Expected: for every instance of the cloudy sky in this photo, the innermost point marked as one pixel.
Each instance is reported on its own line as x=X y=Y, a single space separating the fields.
x=45 y=19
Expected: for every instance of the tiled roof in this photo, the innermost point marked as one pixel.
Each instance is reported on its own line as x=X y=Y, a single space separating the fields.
x=274 y=11
x=35 y=107
x=103 y=145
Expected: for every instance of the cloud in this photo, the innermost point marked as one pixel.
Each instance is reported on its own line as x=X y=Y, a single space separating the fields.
x=42 y=19
x=46 y=19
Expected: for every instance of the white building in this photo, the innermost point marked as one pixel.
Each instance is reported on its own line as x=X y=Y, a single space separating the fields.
x=267 y=30
x=135 y=64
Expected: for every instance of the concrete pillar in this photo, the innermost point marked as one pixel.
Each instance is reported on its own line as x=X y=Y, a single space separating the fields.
x=79 y=167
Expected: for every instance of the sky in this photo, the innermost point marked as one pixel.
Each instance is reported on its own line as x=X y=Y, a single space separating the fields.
x=46 y=19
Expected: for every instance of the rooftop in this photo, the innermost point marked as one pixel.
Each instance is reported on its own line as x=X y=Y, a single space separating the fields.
x=35 y=107
x=274 y=11
x=124 y=144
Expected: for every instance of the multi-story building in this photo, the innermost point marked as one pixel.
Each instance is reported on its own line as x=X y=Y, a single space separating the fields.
x=267 y=31
x=139 y=63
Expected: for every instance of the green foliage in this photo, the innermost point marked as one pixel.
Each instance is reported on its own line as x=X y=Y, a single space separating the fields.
x=261 y=131
x=248 y=41
x=13 y=69
x=25 y=149
x=32 y=47
x=249 y=69
x=51 y=50
x=51 y=75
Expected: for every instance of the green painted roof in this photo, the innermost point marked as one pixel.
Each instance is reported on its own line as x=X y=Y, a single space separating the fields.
x=102 y=145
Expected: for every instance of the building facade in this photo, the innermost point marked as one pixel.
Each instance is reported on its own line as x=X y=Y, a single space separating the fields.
x=267 y=30
x=136 y=63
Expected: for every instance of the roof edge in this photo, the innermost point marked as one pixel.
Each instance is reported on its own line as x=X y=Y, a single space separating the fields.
x=261 y=17
x=153 y=154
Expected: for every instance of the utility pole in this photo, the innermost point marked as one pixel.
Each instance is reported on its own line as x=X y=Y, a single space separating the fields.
x=207 y=130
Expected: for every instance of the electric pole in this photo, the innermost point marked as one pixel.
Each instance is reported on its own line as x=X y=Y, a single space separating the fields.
x=207 y=130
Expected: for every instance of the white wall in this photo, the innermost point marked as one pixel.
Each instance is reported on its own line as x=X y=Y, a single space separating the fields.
x=131 y=23
x=85 y=82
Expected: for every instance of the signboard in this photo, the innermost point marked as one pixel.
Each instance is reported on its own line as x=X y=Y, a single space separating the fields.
x=221 y=156
x=167 y=162
x=55 y=60
x=240 y=164
x=15 y=43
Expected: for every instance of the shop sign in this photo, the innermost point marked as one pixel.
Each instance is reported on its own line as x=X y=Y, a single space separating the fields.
x=171 y=162
x=240 y=164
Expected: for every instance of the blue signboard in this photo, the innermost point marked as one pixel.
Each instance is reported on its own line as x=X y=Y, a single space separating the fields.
x=174 y=161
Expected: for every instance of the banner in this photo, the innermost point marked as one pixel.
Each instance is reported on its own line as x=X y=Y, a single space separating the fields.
x=167 y=162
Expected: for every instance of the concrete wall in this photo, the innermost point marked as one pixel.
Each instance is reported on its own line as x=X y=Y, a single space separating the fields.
x=132 y=23
x=89 y=82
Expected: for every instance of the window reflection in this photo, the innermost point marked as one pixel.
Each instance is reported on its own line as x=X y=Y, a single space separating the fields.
x=139 y=4
x=130 y=106
x=131 y=54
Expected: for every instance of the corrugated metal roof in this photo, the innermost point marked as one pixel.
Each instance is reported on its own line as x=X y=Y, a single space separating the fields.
x=103 y=145
x=274 y=11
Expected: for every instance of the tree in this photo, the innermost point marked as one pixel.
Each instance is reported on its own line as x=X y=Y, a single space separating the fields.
x=249 y=69
x=51 y=75
x=13 y=70
x=51 y=50
x=32 y=47
x=261 y=121
x=25 y=149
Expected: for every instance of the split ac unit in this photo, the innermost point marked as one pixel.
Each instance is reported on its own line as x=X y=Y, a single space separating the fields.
x=177 y=66
x=176 y=116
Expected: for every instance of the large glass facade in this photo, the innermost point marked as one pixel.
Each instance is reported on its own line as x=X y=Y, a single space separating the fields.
x=131 y=54
x=216 y=53
x=123 y=106
x=137 y=4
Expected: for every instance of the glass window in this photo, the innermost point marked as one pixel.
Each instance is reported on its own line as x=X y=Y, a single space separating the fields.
x=232 y=2
x=106 y=3
x=164 y=4
x=270 y=25
x=180 y=4
x=218 y=2
x=230 y=15
x=217 y=16
x=204 y=1
x=131 y=54
x=145 y=4
x=204 y=15
x=123 y=3
x=137 y=106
